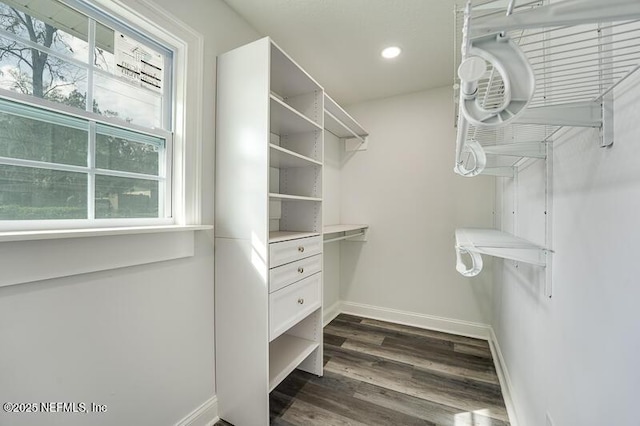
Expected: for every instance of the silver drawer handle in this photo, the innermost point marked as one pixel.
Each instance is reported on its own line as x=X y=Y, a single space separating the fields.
x=301 y=270
x=301 y=249
x=301 y=300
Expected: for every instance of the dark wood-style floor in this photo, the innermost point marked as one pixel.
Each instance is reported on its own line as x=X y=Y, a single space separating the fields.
x=379 y=373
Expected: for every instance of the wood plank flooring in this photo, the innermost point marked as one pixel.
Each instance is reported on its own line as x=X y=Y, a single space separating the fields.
x=378 y=373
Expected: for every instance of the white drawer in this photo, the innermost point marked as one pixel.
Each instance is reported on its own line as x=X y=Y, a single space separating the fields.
x=292 y=250
x=293 y=303
x=287 y=274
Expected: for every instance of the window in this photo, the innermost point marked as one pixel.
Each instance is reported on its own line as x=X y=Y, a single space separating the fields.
x=86 y=134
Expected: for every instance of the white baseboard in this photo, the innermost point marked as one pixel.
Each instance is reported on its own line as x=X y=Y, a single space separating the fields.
x=447 y=325
x=503 y=377
x=330 y=313
x=204 y=415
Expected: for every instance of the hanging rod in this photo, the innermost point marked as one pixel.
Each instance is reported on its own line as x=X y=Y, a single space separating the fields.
x=344 y=237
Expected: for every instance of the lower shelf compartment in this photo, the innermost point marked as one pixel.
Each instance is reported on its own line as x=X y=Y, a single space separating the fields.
x=476 y=241
x=285 y=354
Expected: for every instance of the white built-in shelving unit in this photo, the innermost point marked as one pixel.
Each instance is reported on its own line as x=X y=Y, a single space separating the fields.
x=526 y=70
x=268 y=277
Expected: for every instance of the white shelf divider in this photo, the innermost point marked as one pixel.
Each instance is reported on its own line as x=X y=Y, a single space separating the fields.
x=345 y=232
x=282 y=158
x=285 y=354
x=477 y=241
x=286 y=120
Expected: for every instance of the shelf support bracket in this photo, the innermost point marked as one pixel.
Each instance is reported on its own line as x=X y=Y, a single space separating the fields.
x=356 y=144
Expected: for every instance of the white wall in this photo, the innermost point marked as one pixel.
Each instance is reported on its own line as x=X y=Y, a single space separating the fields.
x=138 y=339
x=575 y=356
x=404 y=187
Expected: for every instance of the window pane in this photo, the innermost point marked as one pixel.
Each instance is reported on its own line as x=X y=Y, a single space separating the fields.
x=118 y=197
x=29 y=139
x=115 y=153
x=104 y=58
x=54 y=79
x=32 y=194
x=124 y=100
x=47 y=23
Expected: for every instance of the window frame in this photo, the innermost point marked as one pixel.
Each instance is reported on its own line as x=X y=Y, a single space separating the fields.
x=183 y=199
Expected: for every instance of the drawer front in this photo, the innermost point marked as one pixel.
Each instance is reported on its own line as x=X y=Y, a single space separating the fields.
x=293 y=303
x=290 y=251
x=287 y=274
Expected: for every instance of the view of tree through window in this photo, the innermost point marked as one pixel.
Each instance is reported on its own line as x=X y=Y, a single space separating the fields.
x=58 y=166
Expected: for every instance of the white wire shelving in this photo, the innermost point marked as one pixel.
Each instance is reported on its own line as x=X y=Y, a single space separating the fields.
x=533 y=63
x=525 y=70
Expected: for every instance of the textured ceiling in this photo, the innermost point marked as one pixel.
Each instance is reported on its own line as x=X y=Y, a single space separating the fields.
x=339 y=42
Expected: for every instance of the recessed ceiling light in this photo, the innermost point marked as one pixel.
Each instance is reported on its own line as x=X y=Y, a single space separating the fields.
x=391 y=52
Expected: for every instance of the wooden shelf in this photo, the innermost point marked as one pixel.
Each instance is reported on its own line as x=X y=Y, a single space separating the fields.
x=285 y=354
x=274 y=196
x=282 y=158
x=286 y=120
x=279 y=236
x=339 y=122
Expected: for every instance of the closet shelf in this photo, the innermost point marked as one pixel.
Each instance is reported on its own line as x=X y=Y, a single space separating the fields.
x=279 y=236
x=343 y=125
x=282 y=158
x=344 y=232
x=477 y=241
x=534 y=63
x=275 y=196
x=285 y=120
x=285 y=354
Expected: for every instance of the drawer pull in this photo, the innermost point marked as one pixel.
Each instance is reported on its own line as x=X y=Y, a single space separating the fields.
x=301 y=249
x=301 y=270
x=301 y=301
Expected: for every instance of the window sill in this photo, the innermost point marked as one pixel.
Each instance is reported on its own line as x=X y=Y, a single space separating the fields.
x=31 y=256
x=95 y=232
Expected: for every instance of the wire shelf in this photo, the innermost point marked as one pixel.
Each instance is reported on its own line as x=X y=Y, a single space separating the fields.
x=571 y=64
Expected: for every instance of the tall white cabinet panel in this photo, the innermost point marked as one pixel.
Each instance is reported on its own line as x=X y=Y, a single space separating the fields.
x=268 y=279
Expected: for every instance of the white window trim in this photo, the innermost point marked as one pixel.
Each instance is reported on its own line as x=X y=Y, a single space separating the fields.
x=188 y=84
x=67 y=252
